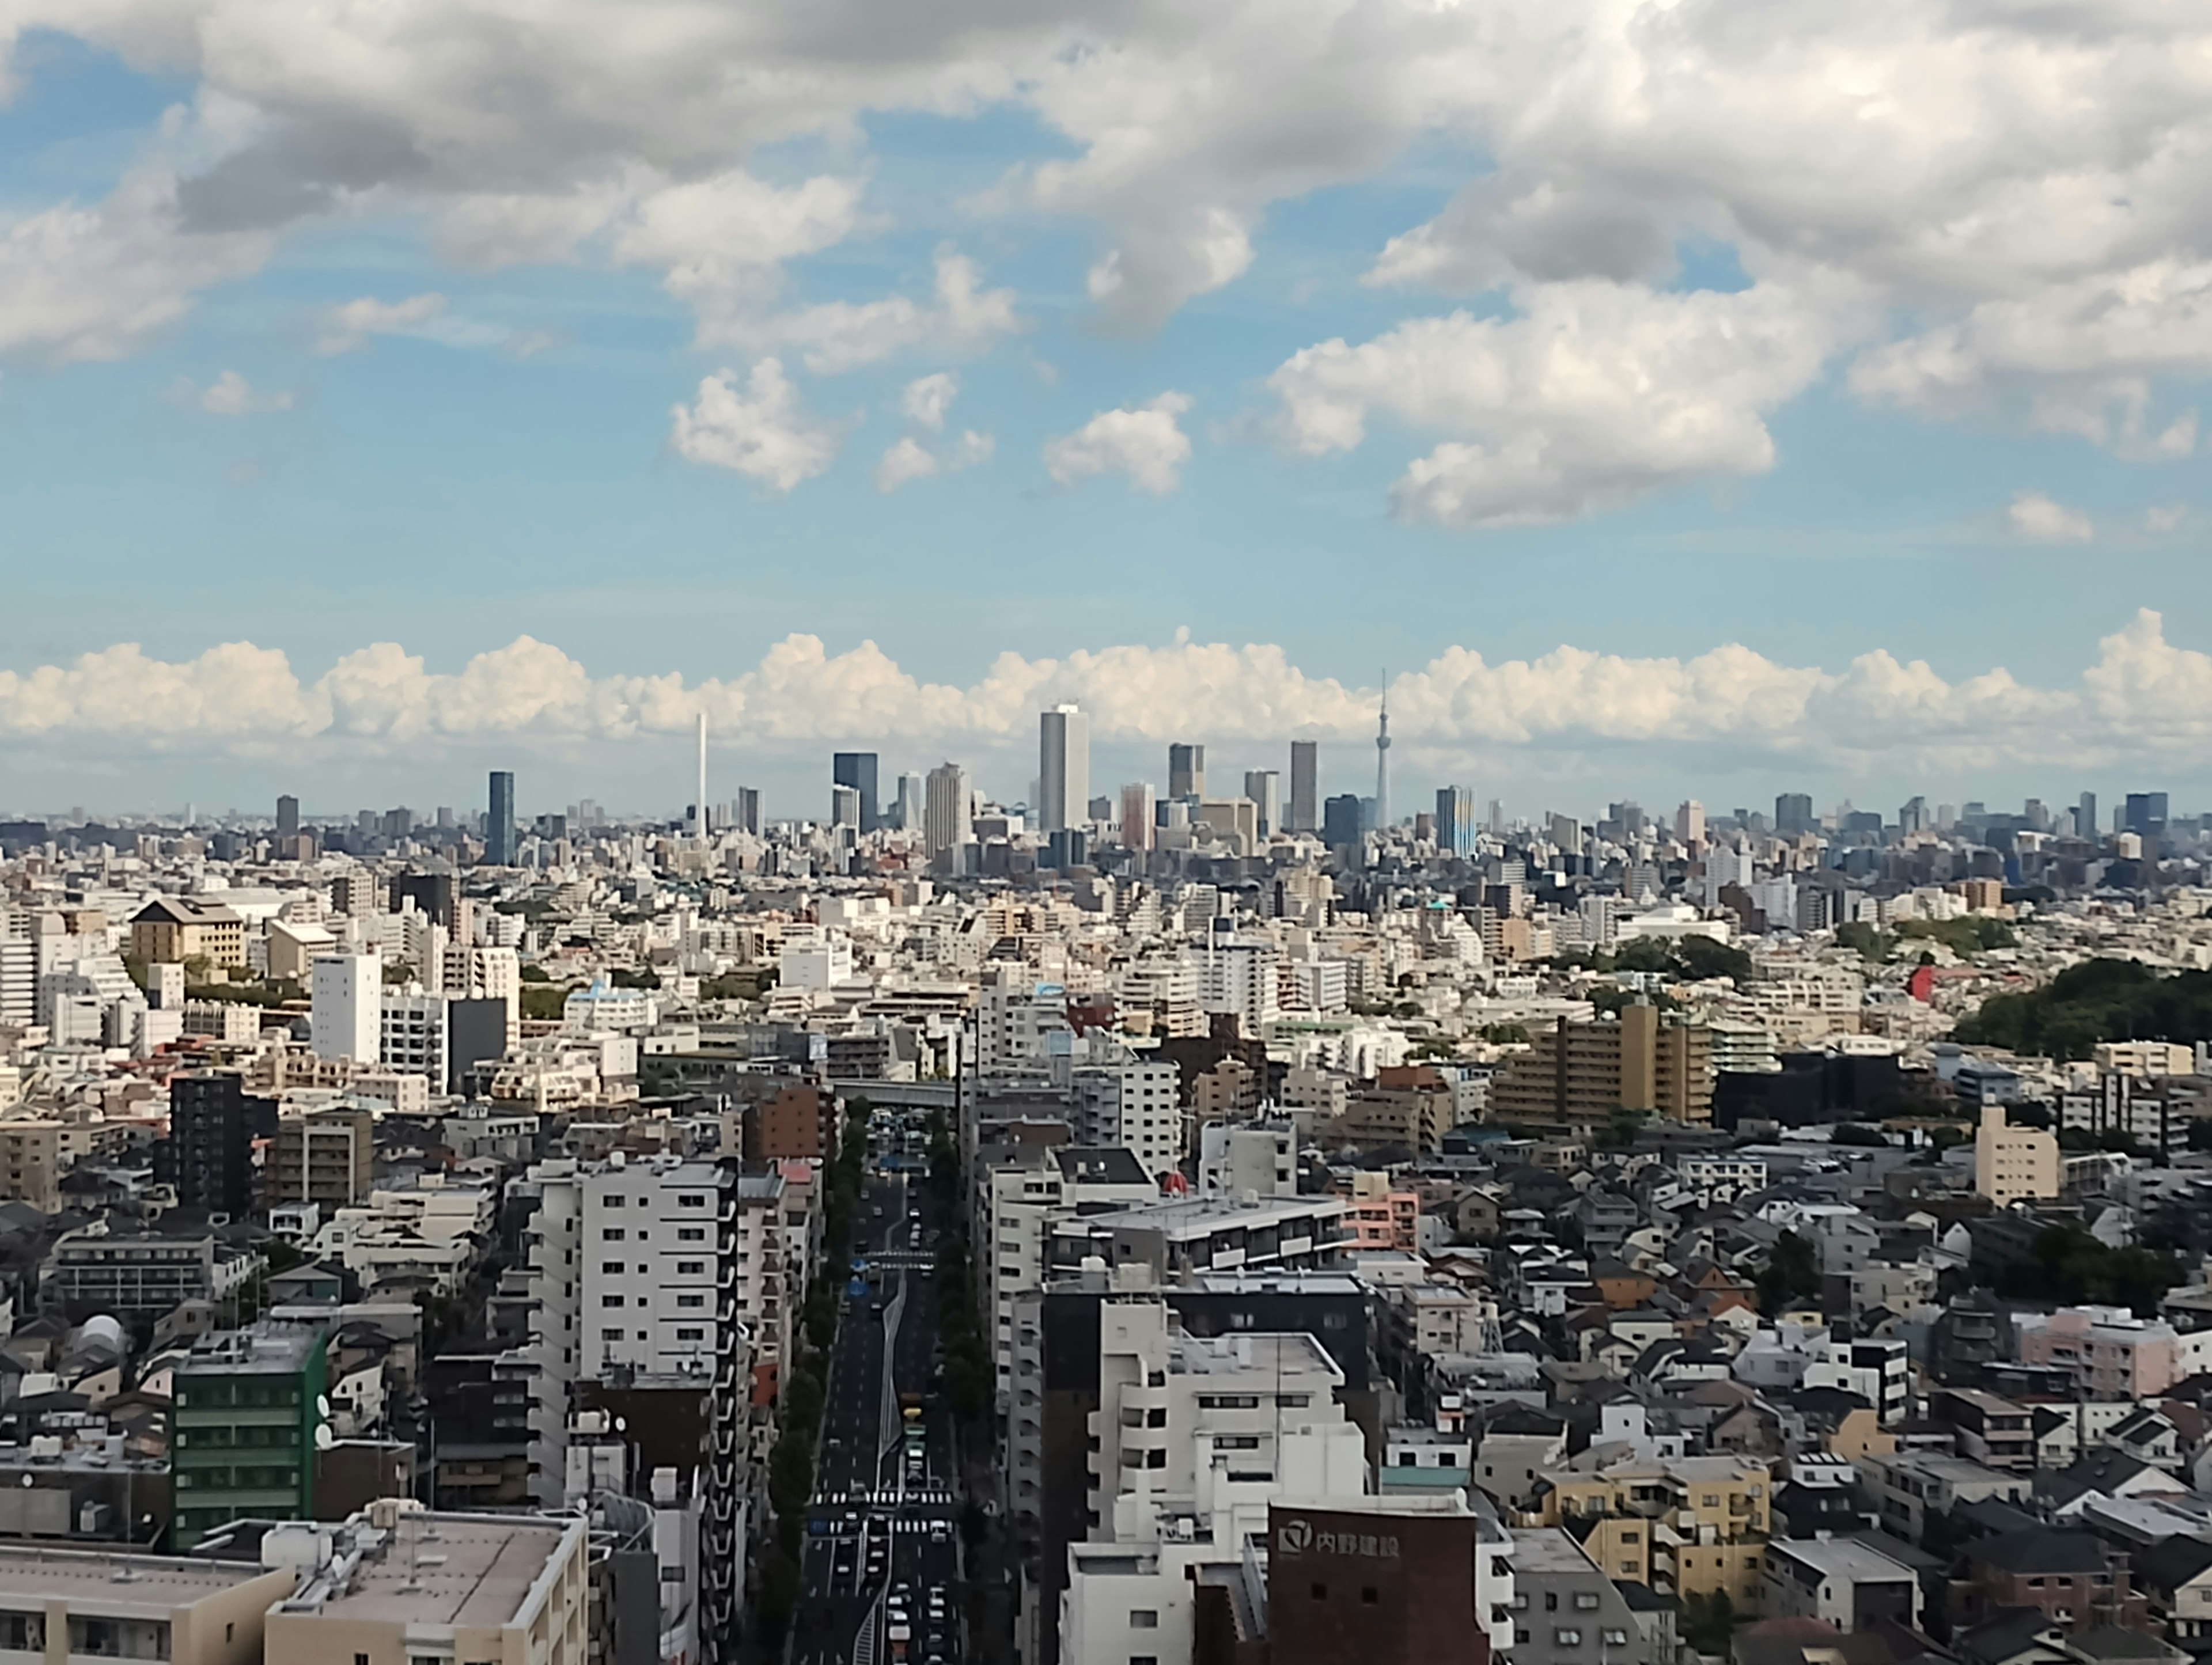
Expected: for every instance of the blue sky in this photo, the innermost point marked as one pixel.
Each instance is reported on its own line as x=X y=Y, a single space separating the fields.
x=452 y=494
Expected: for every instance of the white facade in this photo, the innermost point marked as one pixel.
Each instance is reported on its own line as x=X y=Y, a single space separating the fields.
x=348 y=994
x=1135 y=1105
x=473 y=972
x=1236 y=1158
x=650 y=1256
x=814 y=966
x=413 y=1036
x=1063 y=769
x=1240 y=977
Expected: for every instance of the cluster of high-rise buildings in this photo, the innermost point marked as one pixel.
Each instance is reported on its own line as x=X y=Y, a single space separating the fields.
x=1409 y=1235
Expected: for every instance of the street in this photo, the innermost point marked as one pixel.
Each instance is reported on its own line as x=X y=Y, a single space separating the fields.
x=880 y=1571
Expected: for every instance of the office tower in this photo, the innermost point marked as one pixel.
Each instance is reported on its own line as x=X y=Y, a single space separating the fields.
x=845 y=809
x=1340 y=821
x=944 y=816
x=347 y=1011
x=2085 y=816
x=1264 y=786
x=2145 y=812
x=1185 y=771
x=288 y=817
x=1793 y=813
x=910 y=803
x=1566 y=834
x=1063 y=768
x=1912 y=817
x=1690 y=823
x=857 y=769
x=1382 y=764
x=444 y=816
x=1305 y=785
x=499 y=821
x=747 y=810
x=435 y=896
x=1137 y=815
x=211 y=1131
x=1455 y=820
x=699 y=798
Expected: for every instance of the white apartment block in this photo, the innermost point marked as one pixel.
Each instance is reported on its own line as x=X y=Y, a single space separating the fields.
x=1013 y=1017
x=1023 y=1203
x=1237 y=1157
x=552 y=1359
x=766 y=1278
x=1135 y=1105
x=1240 y=978
x=473 y=972
x=652 y=1296
x=413 y=1035
x=348 y=995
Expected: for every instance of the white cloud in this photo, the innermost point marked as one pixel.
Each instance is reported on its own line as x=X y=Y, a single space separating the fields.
x=1596 y=394
x=928 y=400
x=2041 y=521
x=231 y=395
x=1146 y=444
x=910 y=459
x=764 y=432
x=2141 y=699
x=835 y=335
x=2160 y=520
x=347 y=327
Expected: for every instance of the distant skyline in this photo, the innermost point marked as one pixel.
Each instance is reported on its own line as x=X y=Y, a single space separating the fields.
x=1760 y=358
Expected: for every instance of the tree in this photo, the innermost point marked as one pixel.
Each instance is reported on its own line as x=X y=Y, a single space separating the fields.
x=1700 y=957
x=1709 y=1622
x=1851 y=1133
x=641 y=976
x=1790 y=1277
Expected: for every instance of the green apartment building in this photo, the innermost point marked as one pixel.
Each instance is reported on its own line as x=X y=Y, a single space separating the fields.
x=248 y=1404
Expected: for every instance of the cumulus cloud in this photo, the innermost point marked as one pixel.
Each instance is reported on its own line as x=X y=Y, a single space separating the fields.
x=928 y=400
x=2141 y=699
x=231 y=395
x=1146 y=444
x=763 y=431
x=910 y=459
x=348 y=327
x=1984 y=208
x=1595 y=394
x=2040 y=519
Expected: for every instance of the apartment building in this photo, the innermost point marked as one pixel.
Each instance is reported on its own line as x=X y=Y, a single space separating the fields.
x=1565 y=1608
x=404 y=1586
x=31 y=1161
x=1843 y=1581
x=326 y=1157
x=140 y=1276
x=652 y=1296
x=1237 y=1158
x=1130 y=1104
x=58 y=1604
x=1175 y=1239
x=2013 y=1164
x=1021 y=1205
x=173 y=930
x=1993 y=1431
x=1691 y=1526
x=247 y=1404
x=1909 y=1487
x=2114 y=1354
x=1574 y=1076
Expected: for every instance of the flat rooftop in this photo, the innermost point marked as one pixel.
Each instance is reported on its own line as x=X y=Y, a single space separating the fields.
x=1276 y=1351
x=158 y=1582
x=440 y=1569
x=1841 y=1557
x=1549 y=1549
x=1202 y=1216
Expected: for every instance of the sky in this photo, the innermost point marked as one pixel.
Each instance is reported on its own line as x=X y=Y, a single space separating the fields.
x=1660 y=400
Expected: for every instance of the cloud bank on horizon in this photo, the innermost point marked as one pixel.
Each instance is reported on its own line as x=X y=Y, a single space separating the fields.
x=2142 y=699
x=1671 y=222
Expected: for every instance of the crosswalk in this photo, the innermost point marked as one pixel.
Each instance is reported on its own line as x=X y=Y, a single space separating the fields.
x=886 y=1498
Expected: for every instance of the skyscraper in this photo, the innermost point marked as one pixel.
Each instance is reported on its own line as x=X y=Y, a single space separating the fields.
x=1455 y=820
x=2085 y=816
x=946 y=822
x=1690 y=823
x=1063 y=768
x=1264 y=786
x=287 y=817
x=747 y=807
x=845 y=809
x=1793 y=813
x=2144 y=812
x=1185 y=771
x=1382 y=764
x=499 y=821
x=857 y=769
x=1340 y=821
x=1305 y=785
x=910 y=803
x=1137 y=815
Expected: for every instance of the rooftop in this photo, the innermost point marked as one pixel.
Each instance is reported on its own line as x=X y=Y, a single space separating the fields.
x=155 y=1583
x=1202 y=1216
x=1840 y=1557
x=268 y=1347
x=476 y=1570
x=1549 y=1549
x=1274 y=1351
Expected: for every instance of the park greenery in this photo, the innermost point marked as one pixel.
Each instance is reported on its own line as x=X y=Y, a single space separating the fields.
x=2096 y=1000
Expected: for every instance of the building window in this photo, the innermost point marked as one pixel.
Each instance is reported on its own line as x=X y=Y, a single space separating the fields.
x=690 y=1234
x=612 y=1234
x=610 y=1300
x=610 y=1268
x=1521 y=1638
x=1567 y=1639
x=1585 y=1601
x=690 y=1268
x=1321 y=1592
x=1143 y=1618
x=689 y=1301
x=1369 y=1595
x=610 y=1335
x=1615 y=1639
x=692 y=1200
x=693 y=1335
x=1551 y=1601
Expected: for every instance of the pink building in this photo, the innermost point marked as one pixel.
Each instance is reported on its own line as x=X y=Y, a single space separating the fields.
x=1380 y=1218
x=2116 y=1354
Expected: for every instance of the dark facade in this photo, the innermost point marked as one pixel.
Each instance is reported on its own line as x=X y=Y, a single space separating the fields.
x=476 y=1033
x=434 y=895
x=499 y=821
x=857 y=769
x=213 y=1123
x=1366 y=1588
x=2072 y=1576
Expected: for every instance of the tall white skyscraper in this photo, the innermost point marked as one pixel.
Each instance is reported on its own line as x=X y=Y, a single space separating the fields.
x=1063 y=768
x=946 y=822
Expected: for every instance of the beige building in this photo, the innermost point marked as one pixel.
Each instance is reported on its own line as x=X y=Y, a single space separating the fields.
x=323 y=1155
x=31 y=1162
x=1575 y=1075
x=1684 y=1526
x=175 y=929
x=58 y=1605
x=2012 y=1164
x=405 y=1588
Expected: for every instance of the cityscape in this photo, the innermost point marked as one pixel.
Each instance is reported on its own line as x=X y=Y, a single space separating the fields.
x=1290 y=832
